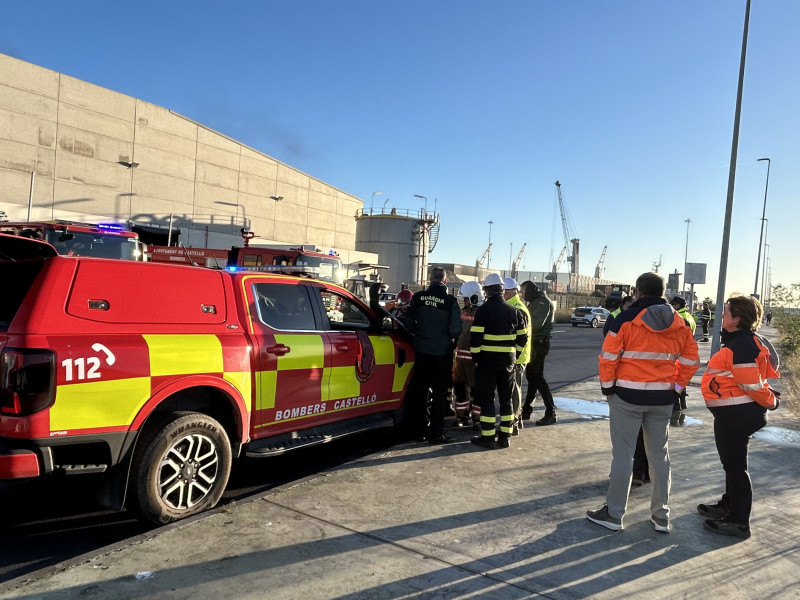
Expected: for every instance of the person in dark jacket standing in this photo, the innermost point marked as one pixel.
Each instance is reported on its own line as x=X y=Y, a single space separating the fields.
x=648 y=356
x=736 y=389
x=542 y=313
x=499 y=335
x=435 y=320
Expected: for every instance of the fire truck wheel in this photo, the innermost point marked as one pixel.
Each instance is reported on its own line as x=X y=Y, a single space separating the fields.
x=181 y=467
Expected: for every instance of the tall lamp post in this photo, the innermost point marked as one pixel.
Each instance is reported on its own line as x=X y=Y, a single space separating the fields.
x=489 y=249
x=764 y=278
x=763 y=214
x=373 y=200
x=686 y=258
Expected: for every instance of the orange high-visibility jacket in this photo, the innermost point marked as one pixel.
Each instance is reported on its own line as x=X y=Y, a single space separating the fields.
x=738 y=373
x=649 y=350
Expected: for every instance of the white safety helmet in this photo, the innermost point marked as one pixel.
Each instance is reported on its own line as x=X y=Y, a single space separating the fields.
x=509 y=283
x=469 y=289
x=492 y=279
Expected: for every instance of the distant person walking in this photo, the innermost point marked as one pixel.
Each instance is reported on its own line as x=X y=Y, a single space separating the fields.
x=678 y=415
x=648 y=356
x=435 y=320
x=736 y=390
x=705 y=319
x=542 y=314
x=769 y=318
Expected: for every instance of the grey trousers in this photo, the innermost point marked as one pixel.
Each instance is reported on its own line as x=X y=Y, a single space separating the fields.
x=625 y=420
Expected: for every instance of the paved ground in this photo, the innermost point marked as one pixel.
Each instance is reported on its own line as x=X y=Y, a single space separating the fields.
x=422 y=521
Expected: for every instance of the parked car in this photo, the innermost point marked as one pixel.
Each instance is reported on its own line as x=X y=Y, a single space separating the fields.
x=387 y=298
x=593 y=316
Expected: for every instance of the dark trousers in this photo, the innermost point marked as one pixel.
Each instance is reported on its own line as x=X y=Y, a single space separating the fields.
x=704 y=324
x=431 y=374
x=495 y=373
x=733 y=426
x=641 y=468
x=534 y=373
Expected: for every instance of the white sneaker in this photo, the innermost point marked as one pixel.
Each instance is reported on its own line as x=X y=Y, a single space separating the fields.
x=662 y=525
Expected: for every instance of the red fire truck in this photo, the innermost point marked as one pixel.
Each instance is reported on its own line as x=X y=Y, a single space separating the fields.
x=70 y=238
x=156 y=376
x=327 y=267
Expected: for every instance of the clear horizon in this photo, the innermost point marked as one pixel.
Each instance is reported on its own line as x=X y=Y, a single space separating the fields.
x=480 y=109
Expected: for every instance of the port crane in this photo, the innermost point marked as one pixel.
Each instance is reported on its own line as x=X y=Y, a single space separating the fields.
x=570 y=241
x=598 y=270
x=482 y=260
x=517 y=261
x=657 y=265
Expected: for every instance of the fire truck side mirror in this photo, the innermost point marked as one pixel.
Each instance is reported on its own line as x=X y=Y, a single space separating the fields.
x=388 y=324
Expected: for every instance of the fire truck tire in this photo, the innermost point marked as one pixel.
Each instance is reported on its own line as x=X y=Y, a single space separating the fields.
x=181 y=467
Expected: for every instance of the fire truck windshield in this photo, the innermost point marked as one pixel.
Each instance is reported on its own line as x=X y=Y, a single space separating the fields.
x=330 y=268
x=79 y=243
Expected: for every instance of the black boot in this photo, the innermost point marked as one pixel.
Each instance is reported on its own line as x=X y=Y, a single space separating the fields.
x=549 y=418
x=484 y=441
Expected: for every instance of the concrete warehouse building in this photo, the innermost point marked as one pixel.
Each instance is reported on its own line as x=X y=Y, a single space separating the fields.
x=75 y=151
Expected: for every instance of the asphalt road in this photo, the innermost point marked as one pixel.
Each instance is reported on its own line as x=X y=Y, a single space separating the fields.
x=48 y=521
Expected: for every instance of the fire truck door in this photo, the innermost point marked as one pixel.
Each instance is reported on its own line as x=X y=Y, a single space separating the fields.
x=360 y=379
x=292 y=379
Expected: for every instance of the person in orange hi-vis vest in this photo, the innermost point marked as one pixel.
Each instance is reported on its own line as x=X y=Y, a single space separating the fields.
x=648 y=356
x=736 y=389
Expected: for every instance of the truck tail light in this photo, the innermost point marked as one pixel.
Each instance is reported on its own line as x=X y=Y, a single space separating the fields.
x=27 y=381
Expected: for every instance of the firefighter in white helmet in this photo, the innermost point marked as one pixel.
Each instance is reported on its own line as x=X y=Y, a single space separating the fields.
x=511 y=294
x=465 y=403
x=498 y=338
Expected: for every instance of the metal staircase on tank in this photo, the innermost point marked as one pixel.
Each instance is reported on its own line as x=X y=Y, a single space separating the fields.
x=433 y=235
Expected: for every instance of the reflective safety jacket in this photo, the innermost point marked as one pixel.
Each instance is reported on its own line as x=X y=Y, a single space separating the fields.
x=687 y=316
x=738 y=372
x=499 y=330
x=525 y=356
x=647 y=352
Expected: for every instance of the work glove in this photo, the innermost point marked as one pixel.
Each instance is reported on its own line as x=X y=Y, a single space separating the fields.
x=777 y=399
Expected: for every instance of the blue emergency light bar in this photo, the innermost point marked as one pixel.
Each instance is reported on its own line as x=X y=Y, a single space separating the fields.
x=112 y=227
x=284 y=269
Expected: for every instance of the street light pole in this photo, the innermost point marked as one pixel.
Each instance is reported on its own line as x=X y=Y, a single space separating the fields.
x=763 y=214
x=686 y=257
x=373 y=200
x=489 y=249
x=726 y=227
x=764 y=288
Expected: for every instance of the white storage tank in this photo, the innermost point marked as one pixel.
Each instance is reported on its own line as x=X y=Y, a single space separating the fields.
x=402 y=240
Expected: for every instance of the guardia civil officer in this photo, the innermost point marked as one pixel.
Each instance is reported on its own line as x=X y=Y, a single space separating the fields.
x=435 y=320
x=498 y=338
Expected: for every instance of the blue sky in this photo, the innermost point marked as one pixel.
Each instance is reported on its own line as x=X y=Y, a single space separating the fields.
x=481 y=107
